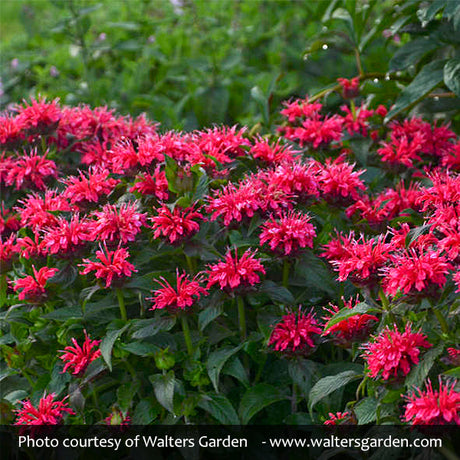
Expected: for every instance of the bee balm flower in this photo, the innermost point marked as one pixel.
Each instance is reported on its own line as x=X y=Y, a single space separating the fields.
x=77 y=358
x=48 y=412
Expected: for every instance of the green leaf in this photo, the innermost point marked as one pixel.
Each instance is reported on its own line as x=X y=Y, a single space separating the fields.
x=209 y=314
x=277 y=293
x=234 y=368
x=414 y=233
x=262 y=101
x=220 y=408
x=216 y=362
x=429 y=77
x=365 y=410
x=65 y=313
x=419 y=373
x=149 y=327
x=126 y=393
x=455 y=372
x=163 y=387
x=412 y=52
x=107 y=344
x=257 y=398
x=171 y=173
x=145 y=413
x=303 y=373
x=327 y=385
x=346 y=313
x=452 y=75
x=140 y=348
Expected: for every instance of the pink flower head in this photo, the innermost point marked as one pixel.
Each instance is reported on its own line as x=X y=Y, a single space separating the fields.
x=39 y=114
x=300 y=108
x=90 y=188
x=414 y=271
x=317 y=132
x=31 y=170
x=48 y=412
x=65 y=237
x=176 y=225
x=357 y=122
x=456 y=278
x=234 y=272
x=353 y=329
x=77 y=358
x=39 y=212
x=340 y=418
x=272 y=153
x=338 y=181
x=11 y=130
x=152 y=184
x=289 y=233
x=32 y=287
x=350 y=88
x=454 y=356
x=8 y=249
x=357 y=259
x=186 y=293
x=295 y=333
x=117 y=224
x=392 y=353
x=433 y=407
x=299 y=179
x=112 y=266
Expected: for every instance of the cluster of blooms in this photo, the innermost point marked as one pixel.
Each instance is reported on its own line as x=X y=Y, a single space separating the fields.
x=135 y=187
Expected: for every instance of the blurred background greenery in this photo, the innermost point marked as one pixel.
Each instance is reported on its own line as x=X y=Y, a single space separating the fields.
x=193 y=63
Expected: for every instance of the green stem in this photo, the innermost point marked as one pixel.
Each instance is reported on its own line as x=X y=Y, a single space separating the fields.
x=190 y=264
x=121 y=304
x=441 y=319
x=187 y=337
x=286 y=266
x=28 y=378
x=241 y=317
x=359 y=64
x=3 y=290
x=384 y=300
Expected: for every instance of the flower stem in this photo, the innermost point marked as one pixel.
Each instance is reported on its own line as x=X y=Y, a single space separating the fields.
x=241 y=317
x=190 y=264
x=187 y=337
x=3 y=289
x=121 y=304
x=286 y=266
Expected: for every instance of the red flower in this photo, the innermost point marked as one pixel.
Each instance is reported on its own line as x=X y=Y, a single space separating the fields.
x=412 y=272
x=354 y=329
x=356 y=123
x=31 y=170
x=39 y=114
x=38 y=212
x=48 y=412
x=457 y=280
x=152 y=184
x=392 y=353
x=338 y=181
x=288 y=234
x=433 y=407
x=186 y=293
x=357 y=260
x=78 y=358
x=33 y=286
x=340 y=418
x=295 y=333
x=7 y=250
x=176 y=225
x=317 y=132
x=113 y=265
x=274 y=153
x=114 y=224
x=11 y=129
x=66 y=237
x=299 y=179
x=300 y=108
x=350 y=88
x=82 y=190
x=236 y=272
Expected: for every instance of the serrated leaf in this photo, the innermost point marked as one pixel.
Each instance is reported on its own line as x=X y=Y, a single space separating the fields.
x=327 y=385
x=277 y=293
x=163 y=387
x=141 y=348
x=412 y=52
x=220 y=408
x=452 y=75
x=303 y=373
x=145 y=413
x=429 y=77
x=257 y=398
x=346 y=313
x=107 y=343
x=150 y=327
x=65 y=313
x=126 y=393
x=209 y=314
x=365 y=410
x=234 y=368
x=216 y=362
x=419 y=373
